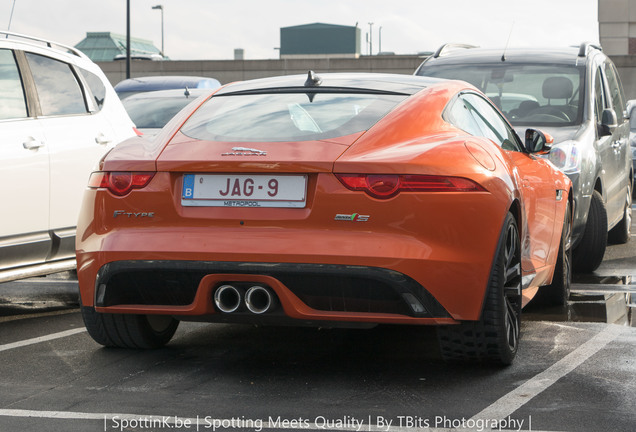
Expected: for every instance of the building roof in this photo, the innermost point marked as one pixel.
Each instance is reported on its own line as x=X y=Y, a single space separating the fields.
x=104 y=46
x=317 y=26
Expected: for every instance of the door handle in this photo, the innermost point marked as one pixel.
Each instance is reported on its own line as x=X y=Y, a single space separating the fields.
x=102 y=139
x=32 y=144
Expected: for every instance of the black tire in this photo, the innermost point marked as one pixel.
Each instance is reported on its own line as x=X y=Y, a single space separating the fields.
x=495 y=337
x=558 y=292
x=622 y=232
x=129 y=331
x=588 y=255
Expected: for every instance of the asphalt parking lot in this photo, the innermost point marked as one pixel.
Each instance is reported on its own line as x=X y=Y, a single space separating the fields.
x=575 y=371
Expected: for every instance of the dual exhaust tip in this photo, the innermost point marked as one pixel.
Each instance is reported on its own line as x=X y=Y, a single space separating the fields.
x=258 y=299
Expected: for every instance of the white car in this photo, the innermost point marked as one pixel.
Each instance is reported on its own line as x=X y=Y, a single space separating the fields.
x=58 y=116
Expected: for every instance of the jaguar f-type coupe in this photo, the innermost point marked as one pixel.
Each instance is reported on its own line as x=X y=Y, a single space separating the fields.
x=327 y=200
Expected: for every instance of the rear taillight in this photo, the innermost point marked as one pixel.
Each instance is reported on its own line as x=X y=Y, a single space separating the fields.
x=120 y=183
x=385 y=186
x=137 y=131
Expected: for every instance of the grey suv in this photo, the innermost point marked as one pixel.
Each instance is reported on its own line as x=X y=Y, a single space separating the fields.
x=575 y=95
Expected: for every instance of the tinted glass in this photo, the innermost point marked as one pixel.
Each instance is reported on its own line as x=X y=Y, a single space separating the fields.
x=528 y=94
x=12 y=104
x=96 y=86
x=58 y=90
x=287 y=116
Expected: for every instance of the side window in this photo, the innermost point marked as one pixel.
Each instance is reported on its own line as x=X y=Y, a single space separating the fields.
x=96 y=86
x=13 y=104
x=492 y=125
x=616 y=91
x=459 y=116
x=58 y=90
x=599 y=95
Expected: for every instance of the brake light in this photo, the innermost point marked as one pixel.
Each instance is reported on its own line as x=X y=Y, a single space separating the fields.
x=137 y=131
x=120 y=183
x=385 y=186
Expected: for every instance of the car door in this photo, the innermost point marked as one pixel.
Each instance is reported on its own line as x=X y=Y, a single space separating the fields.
x=535 y=178
x=618 y=155
x=24 y=173
x=75 y=138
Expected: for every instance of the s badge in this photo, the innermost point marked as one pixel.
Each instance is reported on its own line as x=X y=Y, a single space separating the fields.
x=355 y=217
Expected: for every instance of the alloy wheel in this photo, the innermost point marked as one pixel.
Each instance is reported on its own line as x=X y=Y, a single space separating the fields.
x=512 y=287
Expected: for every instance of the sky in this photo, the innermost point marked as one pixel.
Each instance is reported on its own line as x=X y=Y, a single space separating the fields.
x=212 y=29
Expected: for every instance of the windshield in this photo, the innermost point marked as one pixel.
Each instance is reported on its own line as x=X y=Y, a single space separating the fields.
x=528 y=94
x=295 y=116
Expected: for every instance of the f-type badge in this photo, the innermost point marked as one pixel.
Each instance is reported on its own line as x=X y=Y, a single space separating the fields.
x=355 y=217
x=244 y=151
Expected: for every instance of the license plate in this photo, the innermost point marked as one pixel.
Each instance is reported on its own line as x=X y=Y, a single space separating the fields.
x=244 y=190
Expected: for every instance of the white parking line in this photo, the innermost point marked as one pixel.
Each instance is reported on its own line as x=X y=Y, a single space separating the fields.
x=500 y=410
x=514 y=400
x=40 y=339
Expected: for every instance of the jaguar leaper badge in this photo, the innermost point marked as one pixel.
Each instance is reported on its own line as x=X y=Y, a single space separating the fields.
x=245 y=151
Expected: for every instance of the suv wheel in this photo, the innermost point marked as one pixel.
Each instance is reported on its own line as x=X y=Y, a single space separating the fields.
x=622 y=232
x=589 y=253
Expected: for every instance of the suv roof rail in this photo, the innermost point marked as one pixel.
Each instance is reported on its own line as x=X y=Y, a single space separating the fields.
x=586 y=46
x=448 y=47
x=47 y=43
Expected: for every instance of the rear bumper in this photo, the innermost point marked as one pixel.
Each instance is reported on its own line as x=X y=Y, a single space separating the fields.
x=308 y=292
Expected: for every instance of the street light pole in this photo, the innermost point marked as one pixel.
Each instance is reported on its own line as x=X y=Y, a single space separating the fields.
x=127 y=39
x=160 y=7
x=380 y=40
x=370 y=38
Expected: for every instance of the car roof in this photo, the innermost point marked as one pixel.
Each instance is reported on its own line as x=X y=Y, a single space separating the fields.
x=150 y=83
x=24 y=42
x=407 y=84
x=565 y=55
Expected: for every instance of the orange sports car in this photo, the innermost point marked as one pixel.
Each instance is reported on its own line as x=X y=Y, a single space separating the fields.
x=331 y=200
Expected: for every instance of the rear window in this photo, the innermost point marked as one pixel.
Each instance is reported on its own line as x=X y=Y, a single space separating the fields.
x=96 y=86
x=287 y=116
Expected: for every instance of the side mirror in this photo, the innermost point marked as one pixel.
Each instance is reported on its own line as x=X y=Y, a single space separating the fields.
x=538 y=141
x=609 y=122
